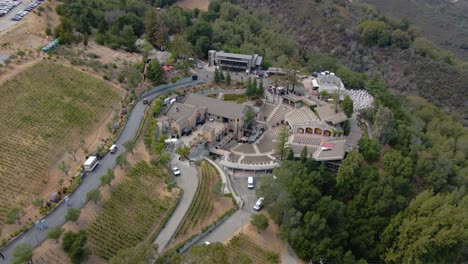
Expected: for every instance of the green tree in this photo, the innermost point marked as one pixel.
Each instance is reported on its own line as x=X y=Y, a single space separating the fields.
x=22 y=254
x=249 y=88
x=283 y=137
x=260 y=221
x=156 y=31
x=107 y=179
x=432 y=229
x=348 y=106
x=216 y=77
x=260 y=91
x=55 y=233
x=129 y=146
x=228 y=78
x=128 y=38
x=63 y=167
x=85 y=39
x=73 y=244
x=397 y=165
x=121 y=160
x=181 y=46
x=154 y=72
x=14 y=215
x=221 y=75
x=72 y=215
x=401 y=39
x=183 y=151
x=375 y=33
x=304 y=154
x=93 y=195
x=369 y=148
x=348 y=172
x=142 y=253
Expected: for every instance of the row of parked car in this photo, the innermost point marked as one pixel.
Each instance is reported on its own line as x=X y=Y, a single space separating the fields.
x=7 y=6
x=28 y=9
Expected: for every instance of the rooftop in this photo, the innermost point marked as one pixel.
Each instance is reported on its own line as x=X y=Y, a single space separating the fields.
x=336 y=151
x=327 y=113
x=216 y=107
x=234 y=55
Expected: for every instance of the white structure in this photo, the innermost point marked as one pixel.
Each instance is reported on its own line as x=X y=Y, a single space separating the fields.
x=91 y=163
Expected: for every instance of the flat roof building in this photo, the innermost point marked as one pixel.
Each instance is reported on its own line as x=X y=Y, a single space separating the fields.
x=234 y=61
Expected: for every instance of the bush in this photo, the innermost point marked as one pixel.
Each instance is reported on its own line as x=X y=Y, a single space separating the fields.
x=73 y=245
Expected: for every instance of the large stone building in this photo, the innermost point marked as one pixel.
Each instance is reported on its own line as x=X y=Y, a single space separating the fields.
x=234 y=61
x=197 y=108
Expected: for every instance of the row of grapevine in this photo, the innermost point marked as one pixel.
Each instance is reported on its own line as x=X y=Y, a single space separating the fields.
x=43 y=110
x=241 y=246
x=132 y=210
x=202 y=206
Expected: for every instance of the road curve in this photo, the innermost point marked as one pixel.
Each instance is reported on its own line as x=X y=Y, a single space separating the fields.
x=56 y=217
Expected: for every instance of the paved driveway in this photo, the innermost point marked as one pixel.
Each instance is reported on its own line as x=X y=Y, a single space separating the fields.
x=188 y=181
x=91 y=181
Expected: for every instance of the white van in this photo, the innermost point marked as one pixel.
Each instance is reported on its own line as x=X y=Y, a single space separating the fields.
x=250 y=182
x=91 y=163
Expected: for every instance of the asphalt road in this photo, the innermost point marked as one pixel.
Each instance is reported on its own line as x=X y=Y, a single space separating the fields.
x=188 y=181
x=34 y=237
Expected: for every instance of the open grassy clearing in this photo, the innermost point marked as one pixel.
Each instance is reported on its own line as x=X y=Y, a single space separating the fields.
x=42 y=111
x=207 y=205
x=134 y=210
x=241 y=247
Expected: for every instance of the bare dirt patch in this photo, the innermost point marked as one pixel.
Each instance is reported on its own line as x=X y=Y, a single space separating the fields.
x=192 y=4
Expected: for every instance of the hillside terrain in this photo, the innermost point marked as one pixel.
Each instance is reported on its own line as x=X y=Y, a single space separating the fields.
x=45 y=108
x=445 y=22
x=333 y=27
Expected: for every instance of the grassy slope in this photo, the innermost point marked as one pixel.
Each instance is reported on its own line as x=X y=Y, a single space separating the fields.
x=134 y=208
x=42 y=110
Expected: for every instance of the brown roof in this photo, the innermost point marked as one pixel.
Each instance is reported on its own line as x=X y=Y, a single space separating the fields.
x=216 y=107
x=337 y=151
x=179 y=110
x=327 y=113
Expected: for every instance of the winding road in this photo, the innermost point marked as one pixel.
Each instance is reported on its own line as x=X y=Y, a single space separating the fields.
x=91 y=181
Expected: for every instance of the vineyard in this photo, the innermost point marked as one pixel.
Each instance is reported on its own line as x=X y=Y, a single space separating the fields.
x=133 y=210
x=42 y=111
x=241 y=247
x=206 y=200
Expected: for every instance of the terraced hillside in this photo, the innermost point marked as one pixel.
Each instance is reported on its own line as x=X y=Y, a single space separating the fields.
x=42 y=110
x=134 y=210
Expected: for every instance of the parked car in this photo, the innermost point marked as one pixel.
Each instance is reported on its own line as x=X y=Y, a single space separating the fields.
x=145 y=101
x=176 y=171
x=259 y=204
x=113 y=149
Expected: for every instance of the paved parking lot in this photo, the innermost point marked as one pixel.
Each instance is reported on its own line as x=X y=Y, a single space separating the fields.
x=6 y=22
x=239 y=183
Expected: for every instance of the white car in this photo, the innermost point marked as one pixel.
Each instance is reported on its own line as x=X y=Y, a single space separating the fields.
x=176 y=171
x=207 y=243
x=113 y=149
x=259 y=204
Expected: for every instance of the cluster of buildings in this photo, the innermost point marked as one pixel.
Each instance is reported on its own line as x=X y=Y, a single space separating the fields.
x=245 y=136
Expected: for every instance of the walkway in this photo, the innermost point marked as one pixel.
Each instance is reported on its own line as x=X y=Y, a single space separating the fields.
x=188 y=181
x=34 y=237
